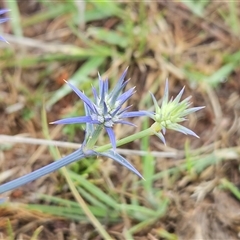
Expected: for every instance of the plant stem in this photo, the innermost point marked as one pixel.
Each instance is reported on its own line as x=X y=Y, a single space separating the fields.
x=93 y=139
x=128 y=139
x=73 y=157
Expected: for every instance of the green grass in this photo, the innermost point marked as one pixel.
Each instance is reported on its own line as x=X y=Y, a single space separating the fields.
x=104 y=203
x=15 y=18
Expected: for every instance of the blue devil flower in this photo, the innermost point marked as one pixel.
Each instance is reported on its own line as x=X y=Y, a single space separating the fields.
x=107 y=107
x=2 y=20
x=103 y=112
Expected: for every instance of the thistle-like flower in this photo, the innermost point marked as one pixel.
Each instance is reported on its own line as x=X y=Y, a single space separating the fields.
x=171 y=113
x=106 y=110
x=107 y=107
x=2 y=20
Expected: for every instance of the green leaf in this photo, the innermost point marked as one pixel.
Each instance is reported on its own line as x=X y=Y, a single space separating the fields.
x=108 y=36
x=197 y=7
x=15 y=18
x=220 y=75
x=95 y=191
x=138 y=212
x=74 y=213
x=216 y=78
x=50 y=13
x=109 y=7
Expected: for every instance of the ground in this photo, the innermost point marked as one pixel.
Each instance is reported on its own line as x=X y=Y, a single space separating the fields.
x=192 y=184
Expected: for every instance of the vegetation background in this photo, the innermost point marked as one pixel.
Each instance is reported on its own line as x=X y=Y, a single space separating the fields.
x=192 y=185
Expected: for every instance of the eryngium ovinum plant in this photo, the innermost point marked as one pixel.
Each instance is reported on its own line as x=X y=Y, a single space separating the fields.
x=102 y=113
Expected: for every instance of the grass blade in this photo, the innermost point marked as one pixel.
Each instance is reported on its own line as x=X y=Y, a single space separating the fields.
x=78 y=78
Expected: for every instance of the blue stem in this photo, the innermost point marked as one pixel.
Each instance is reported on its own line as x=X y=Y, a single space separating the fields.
x=73 y=157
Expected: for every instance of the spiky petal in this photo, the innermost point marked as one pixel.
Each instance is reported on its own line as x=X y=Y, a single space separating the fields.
x=120 y=159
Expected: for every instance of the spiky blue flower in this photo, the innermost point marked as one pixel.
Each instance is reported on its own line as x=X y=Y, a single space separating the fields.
x=171 y=113
x=104 y=112
x=107 y=107
x=2 y=20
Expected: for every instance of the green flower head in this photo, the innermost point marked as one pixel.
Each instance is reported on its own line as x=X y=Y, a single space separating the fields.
x=171 y=113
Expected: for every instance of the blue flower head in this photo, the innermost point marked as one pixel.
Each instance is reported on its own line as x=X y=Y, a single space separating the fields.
x=107 y=107
x=2 y=20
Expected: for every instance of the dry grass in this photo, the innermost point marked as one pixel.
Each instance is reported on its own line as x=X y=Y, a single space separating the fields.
x=193 y=46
